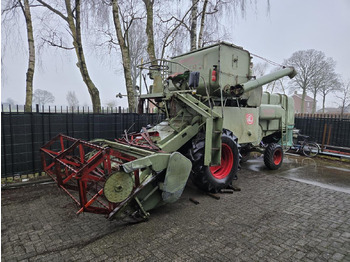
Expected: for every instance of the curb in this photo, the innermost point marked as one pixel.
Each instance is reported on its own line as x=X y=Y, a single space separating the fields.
x=28 y=183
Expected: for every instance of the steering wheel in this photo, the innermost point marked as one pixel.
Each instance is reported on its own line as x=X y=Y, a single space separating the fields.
x=158 y=67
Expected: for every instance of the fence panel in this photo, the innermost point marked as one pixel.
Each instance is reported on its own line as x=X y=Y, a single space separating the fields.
x=22 y=134
x=337 y=128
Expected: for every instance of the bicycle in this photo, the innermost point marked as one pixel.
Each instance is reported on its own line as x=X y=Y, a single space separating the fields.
x=304 y=146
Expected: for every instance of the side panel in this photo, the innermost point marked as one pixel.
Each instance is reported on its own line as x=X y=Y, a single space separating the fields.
x=243 y=122
x=276 y=112
x=234 y=65
x=201 y=61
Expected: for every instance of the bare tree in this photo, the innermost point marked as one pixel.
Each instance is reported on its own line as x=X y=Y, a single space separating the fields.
x=176 y=25
x=213 y=15
x=137 y=49
x=43 y=97
x=149 y=4
x=201 y=28
x=259 y=69
x=10 y=101
x=169 y=23
x=118 y=24
x=330 y=81
x=307 y=63
x=344 y=96
x=324 y=80
x=111 y=103
x=72 y=99
x=72 y=19
x=123 y=20
x=24 y=5
x=193 y=28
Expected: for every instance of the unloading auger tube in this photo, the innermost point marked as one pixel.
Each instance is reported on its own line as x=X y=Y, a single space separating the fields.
x=240 y=89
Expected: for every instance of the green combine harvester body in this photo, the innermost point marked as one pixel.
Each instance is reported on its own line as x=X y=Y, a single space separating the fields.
x=215 y=115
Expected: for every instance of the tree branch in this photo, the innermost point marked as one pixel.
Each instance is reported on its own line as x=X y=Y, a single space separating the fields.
x=181 y=22
x=10 y=8
x=57 y=45
x=53 y=10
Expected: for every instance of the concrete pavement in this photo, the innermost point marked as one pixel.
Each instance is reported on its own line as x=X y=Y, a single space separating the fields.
x=273 y=218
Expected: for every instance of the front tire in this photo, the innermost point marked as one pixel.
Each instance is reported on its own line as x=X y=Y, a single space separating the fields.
x=214 y=178
x=311 y=149
x=273 y=156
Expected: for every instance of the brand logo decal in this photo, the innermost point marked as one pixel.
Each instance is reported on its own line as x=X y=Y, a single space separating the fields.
x=249 y=118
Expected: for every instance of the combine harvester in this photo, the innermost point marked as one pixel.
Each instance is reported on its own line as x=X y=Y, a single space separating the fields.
x=214 y=108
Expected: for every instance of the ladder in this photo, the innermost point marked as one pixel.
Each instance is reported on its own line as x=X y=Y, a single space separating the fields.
x=213 y=128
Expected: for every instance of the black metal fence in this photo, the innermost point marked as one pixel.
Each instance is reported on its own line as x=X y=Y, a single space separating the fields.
x=22 y=134
x=331 y=130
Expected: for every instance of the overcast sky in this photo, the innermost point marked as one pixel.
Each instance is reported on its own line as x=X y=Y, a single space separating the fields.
x=291 y=25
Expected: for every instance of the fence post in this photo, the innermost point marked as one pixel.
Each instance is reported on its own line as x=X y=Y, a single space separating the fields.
x=324 y=136
x=72 y=114
x=67 y=122
x=3 y=141
x=329 y=134
x=11 y=140
x=50 y=135
x=43 y=125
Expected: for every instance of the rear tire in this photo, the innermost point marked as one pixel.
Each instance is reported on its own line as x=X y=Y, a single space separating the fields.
x=214 y=178
x=273 y=156
x=311 y=149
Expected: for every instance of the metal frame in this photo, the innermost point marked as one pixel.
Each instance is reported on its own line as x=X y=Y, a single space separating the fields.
x=81 y=167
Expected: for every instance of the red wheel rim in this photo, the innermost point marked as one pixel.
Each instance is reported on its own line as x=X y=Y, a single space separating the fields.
x=222 y=171
x=277 y=157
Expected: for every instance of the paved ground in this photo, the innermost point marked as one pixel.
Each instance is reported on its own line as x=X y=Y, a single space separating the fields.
x=273 y=218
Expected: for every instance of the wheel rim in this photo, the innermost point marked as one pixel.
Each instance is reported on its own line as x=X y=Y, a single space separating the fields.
x=310 y=150
x=223 y=170
x=277 y=157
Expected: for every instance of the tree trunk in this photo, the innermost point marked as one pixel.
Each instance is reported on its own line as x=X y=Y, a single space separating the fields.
x=314 y=104
x=77 y=42
x=31 y=60
x=193 y=32
x=157 y=78
x=342 y=108
x=149 y=30
x=303 y=100
x=201 y=30
x=125 y=57
x=323 y=102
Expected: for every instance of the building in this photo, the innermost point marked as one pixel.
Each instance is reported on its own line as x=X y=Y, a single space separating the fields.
x=308 y=103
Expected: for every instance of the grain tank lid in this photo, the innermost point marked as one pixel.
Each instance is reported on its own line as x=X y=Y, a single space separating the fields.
x=208 y=47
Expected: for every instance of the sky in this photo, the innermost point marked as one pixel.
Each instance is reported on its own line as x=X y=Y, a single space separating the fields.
x=290 y=26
